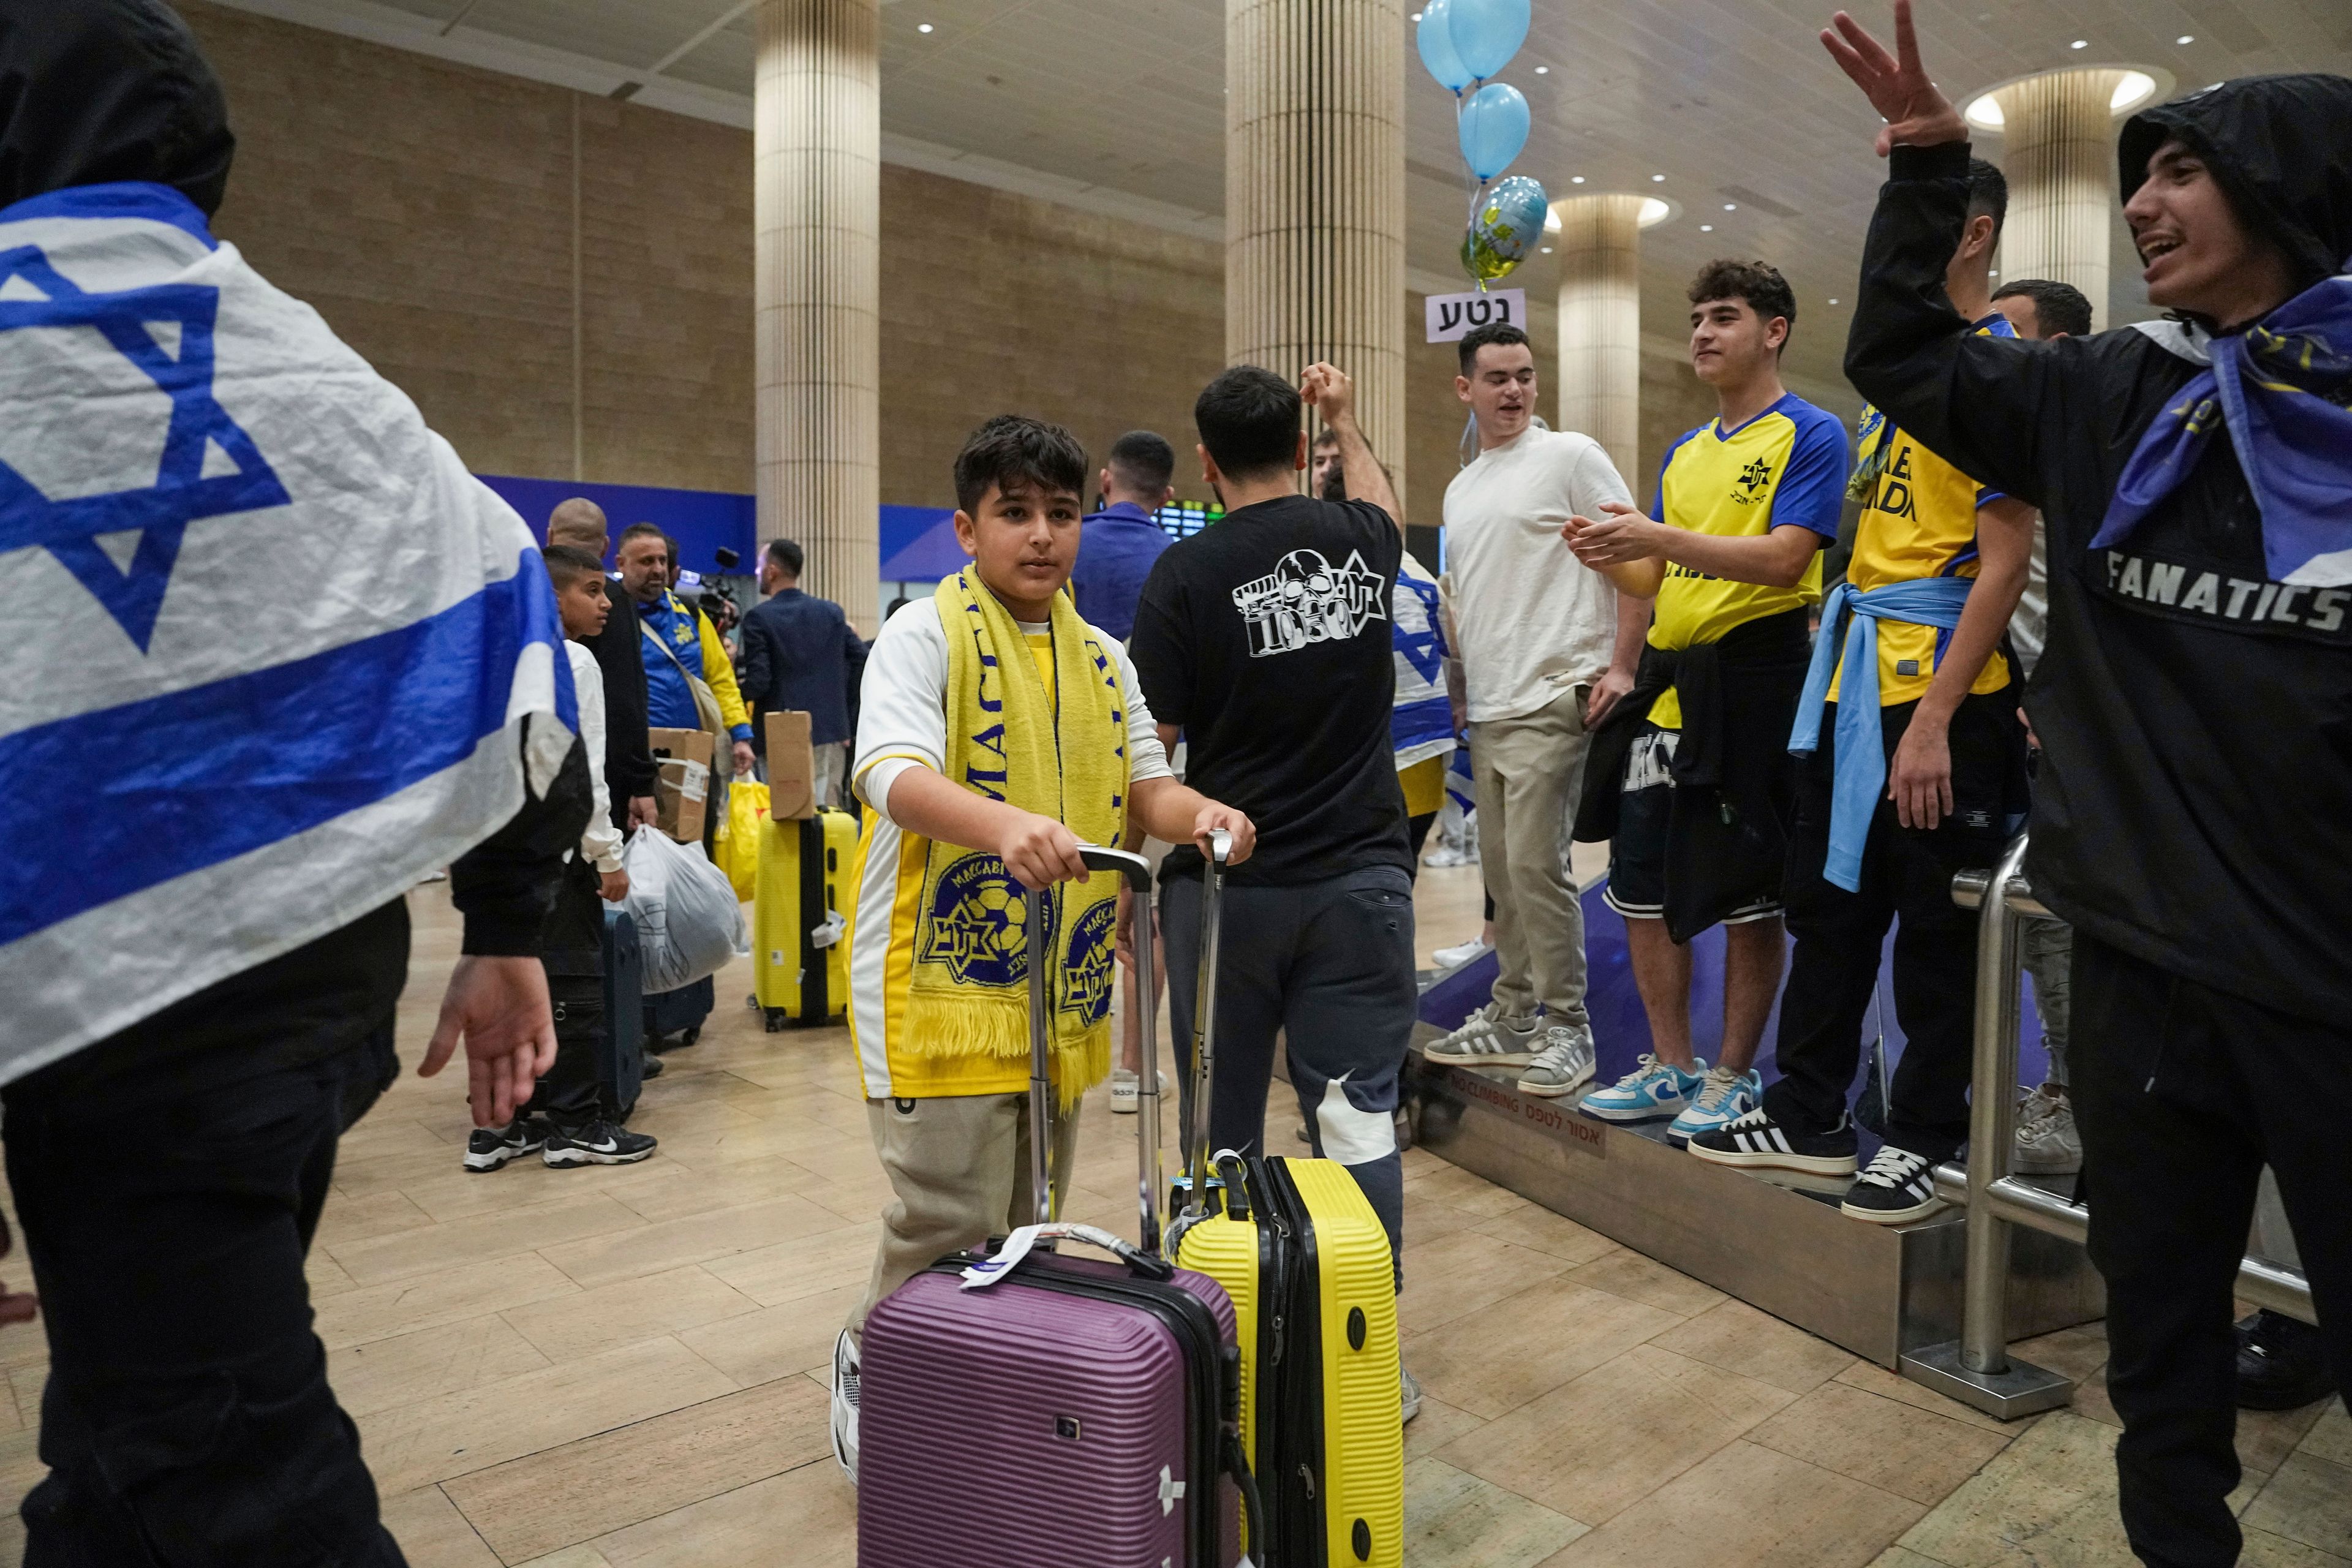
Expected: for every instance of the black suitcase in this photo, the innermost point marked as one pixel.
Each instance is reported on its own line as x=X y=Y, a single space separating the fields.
x=620 y=1062
x=674 y=1018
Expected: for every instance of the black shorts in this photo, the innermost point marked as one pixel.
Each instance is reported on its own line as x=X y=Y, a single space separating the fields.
x=1637 y=855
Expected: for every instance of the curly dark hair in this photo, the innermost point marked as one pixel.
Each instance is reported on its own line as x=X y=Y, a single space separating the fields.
x=1015 y=452
x=1758 y=282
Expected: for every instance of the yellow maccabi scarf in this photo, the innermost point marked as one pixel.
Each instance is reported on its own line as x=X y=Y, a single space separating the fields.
x=1063 y=756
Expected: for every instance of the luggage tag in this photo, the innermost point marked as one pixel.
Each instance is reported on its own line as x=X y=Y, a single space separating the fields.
x=989 y=1270
x=829 y=931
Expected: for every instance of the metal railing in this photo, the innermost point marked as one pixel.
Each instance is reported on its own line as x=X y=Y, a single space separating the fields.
x=1977 y=1368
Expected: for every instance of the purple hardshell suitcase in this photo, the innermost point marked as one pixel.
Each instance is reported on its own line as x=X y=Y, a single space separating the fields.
x=1074 y=1412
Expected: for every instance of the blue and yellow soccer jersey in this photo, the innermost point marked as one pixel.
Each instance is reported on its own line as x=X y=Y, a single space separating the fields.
x=1785 y=466
x=1919 y=519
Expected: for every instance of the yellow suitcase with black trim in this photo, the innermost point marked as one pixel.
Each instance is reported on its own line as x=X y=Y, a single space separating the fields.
x=800 y=962
x=1298 y=1248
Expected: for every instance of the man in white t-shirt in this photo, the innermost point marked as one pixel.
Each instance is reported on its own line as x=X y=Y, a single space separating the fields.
x=1539 y=635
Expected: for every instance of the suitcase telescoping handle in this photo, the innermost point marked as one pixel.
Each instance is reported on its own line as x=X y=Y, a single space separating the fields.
x=1137 y=872
x=1194 y=1102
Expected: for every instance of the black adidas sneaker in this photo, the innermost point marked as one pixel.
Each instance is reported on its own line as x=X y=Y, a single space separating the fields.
x=1899 y=1188
x=598 y=1144
x=1757 y=1143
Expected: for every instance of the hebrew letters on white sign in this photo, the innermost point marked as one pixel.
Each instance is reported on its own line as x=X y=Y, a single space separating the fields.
x=1449 y=316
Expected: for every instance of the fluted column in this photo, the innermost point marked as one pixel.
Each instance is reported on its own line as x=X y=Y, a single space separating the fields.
x=817 y=169
x=1599 y=246
x=1315 y=198
x=2058 y=151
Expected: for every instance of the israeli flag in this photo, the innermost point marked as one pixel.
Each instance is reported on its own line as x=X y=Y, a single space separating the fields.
x=272 y=654
x=1421 y=725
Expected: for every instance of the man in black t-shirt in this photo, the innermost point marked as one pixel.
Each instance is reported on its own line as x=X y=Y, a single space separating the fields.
x=1265 y=639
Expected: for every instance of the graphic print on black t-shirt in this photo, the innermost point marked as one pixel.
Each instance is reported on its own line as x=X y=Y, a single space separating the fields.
x=1267 y=638
x=1304 y=600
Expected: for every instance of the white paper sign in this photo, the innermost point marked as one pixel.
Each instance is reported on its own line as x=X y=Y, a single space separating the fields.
x=1450 y=315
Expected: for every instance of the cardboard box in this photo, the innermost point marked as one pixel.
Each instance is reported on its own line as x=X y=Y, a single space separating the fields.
x=682 y=787
x=791 y=766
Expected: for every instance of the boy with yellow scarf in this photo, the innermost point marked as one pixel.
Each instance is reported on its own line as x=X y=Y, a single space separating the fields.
x=998 y=731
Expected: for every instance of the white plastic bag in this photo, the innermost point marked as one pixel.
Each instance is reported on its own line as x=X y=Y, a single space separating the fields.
x=688 y=922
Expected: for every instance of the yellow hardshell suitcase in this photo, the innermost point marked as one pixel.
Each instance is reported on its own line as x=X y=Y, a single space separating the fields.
x=1297 y=1247
x=800 y=962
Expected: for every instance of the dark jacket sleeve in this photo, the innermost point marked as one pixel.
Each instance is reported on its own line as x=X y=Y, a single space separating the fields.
x=759 y=659
x=505 y=885
x=854 y=649
x=1983 y=404
x=628 y=758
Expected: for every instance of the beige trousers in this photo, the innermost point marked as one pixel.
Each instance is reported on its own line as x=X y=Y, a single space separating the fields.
x=1527 y=774
x=959 y=1166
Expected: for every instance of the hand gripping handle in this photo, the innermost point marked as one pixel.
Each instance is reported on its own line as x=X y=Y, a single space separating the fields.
x=1136 y=871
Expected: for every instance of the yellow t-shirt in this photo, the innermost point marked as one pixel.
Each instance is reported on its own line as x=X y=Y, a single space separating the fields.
x=1919 y=519
x=1785 y=466
x=1423 y=785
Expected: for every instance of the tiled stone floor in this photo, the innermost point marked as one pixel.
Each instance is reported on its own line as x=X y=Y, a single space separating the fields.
x=602 y=1369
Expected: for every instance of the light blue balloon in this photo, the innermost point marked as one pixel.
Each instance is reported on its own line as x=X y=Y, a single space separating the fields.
x=1438 y=47
x=1486 y=33
x=1494 y=129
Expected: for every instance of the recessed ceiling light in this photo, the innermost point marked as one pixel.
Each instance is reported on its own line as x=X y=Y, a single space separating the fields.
x=1731 y=206
x=2186 y=39
x=1416 y=16
x=1707 y=228
x=1652 y=211
x=1576 y=179
x=1543 y=70
x=1834 y=301
x=922 y=27
x=1657 y=179
x=2135 y=88
x=1547 y=251
x=2080 y=44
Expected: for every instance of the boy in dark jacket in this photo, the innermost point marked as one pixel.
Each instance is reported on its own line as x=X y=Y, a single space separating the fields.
x=2194 y=815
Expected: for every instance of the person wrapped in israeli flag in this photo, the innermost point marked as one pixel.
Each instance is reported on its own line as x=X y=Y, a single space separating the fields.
x=274 y=657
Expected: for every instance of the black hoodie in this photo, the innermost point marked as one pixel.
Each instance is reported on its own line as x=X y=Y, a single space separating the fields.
x=92 y=92
x=2194 y=805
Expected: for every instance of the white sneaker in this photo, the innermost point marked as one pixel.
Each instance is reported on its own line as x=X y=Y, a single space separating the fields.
x=1412 y=1391
x=1564 y=1064
x=1486 y=1040
x=1450 y=855
x=1127 y=1091
x=1722 y=1098
x=1455 y=957
x=2047 y=1143
x=845 y=1405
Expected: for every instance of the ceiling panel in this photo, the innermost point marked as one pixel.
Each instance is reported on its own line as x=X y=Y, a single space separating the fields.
x=1129 y=95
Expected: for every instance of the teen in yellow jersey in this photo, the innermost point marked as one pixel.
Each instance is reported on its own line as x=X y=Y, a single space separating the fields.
x=1689 y=780
x=1915 y=769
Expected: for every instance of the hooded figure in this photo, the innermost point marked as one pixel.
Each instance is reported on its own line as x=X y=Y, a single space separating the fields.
x=95 y=92
x=202 y=947
x=2193 y=815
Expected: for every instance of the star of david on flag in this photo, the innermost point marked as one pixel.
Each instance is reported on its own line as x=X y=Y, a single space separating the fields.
x=120 y=542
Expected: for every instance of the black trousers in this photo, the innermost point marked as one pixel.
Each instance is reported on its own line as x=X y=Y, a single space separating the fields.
x=188 y=1418
x=1906 y=877
x=2183 y=1094
x=1326 y=968
x=571 y=1093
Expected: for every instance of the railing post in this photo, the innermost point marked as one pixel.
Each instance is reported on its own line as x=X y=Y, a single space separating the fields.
x=1977 y=1368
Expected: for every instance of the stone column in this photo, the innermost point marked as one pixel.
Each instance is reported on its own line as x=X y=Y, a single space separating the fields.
x=1315 y=199
x=2058 y=149
x=1600 y=374
x=817 y=170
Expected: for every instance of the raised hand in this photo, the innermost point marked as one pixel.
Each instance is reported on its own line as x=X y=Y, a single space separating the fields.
x=1916 y=112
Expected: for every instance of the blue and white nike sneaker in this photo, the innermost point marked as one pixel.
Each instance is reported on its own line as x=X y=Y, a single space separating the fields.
x=1724 y=1098
x=1651 y=1091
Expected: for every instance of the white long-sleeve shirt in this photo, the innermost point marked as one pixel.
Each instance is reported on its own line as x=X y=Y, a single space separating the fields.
x=600 y=845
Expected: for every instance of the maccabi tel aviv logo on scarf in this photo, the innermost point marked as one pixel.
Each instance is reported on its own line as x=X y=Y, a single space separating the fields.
x=977 y=928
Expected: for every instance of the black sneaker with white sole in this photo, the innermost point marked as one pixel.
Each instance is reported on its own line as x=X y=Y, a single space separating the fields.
x=1899 y=1188
x=488 y=1148
x=1757 y=1143
x=598 y=1144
